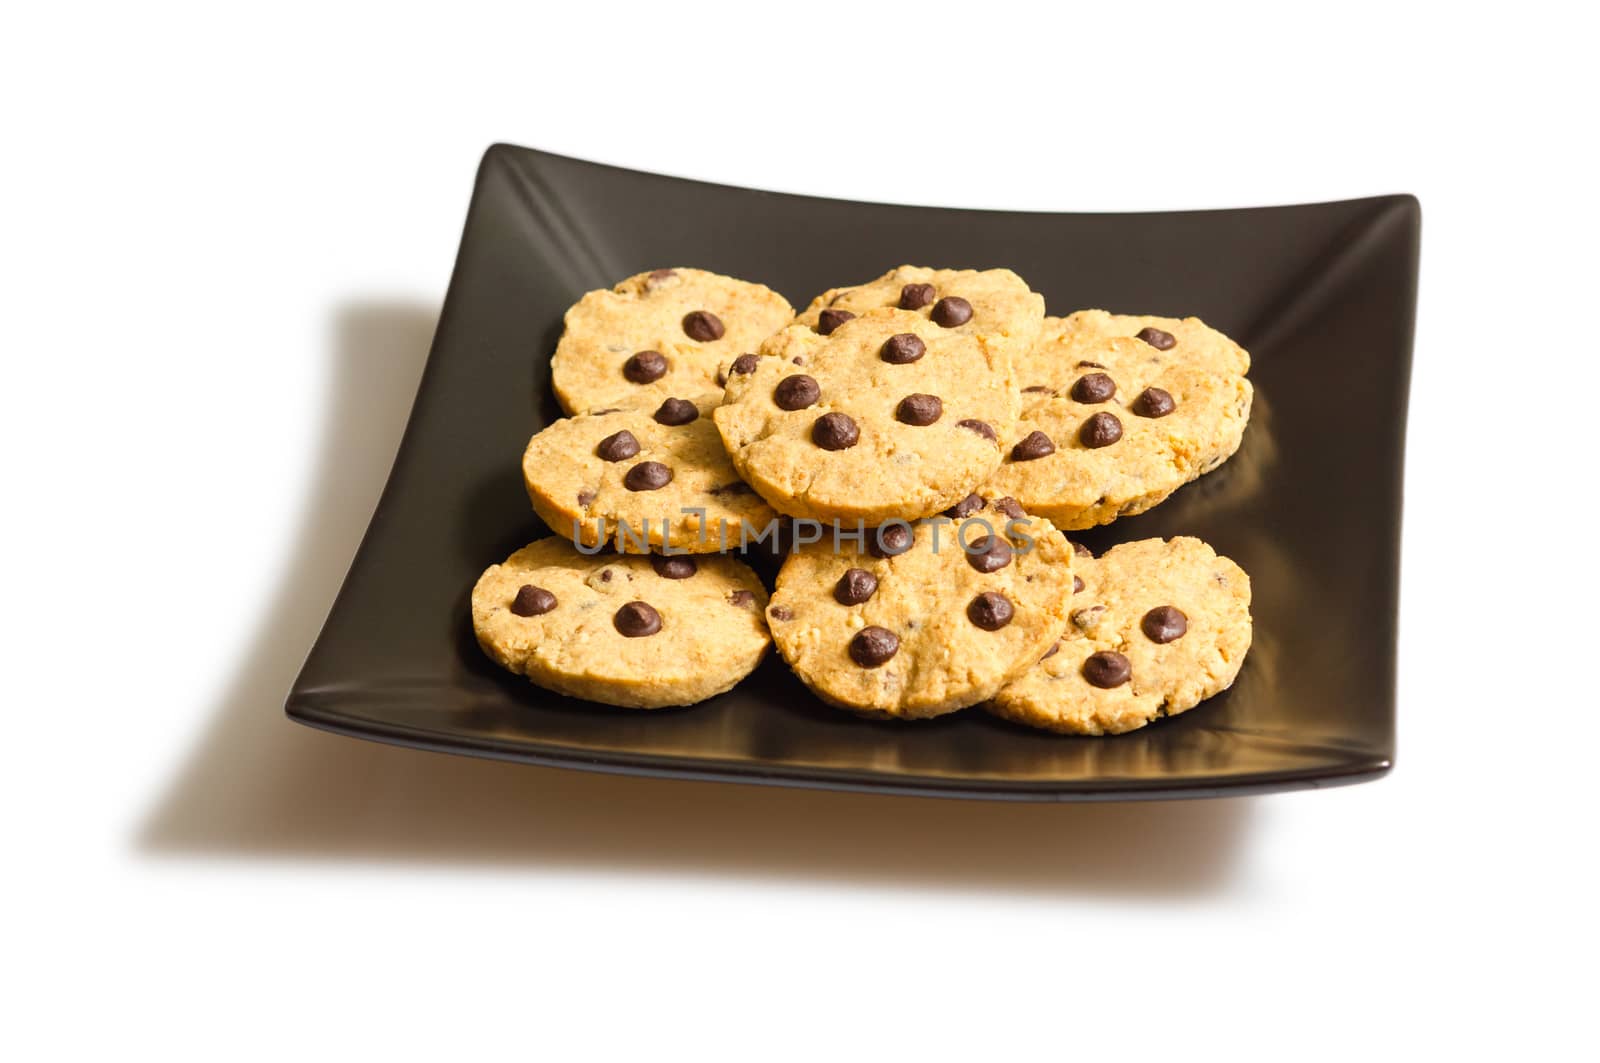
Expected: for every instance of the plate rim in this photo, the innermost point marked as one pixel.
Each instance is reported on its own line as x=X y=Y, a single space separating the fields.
x=1358 y=768
x=505 y=148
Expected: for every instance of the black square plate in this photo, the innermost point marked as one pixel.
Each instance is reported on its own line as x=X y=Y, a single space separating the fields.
x=1322 y=295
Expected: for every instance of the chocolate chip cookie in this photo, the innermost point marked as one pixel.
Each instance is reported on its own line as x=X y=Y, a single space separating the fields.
x=1119 y=412
x=1156 y=629
x=640 y=632
x=926 y=617
x=642 y=478
x=994 y=304
x=660 y=334
x=883 y=414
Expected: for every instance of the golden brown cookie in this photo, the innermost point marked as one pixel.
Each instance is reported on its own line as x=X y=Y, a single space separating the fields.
x=640 y=632
x=994 y=304
x=641 y=478
x=660 y=334
x=915 y=624
x=1157 y=628
x=888 y=415
x=1118 y=413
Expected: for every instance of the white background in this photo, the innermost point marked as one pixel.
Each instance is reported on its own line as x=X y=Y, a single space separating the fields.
x=225 y=238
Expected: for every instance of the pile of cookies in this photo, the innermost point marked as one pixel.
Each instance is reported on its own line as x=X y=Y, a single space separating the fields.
x=916 y=444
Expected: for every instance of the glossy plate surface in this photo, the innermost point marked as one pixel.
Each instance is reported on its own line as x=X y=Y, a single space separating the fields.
x=1322 y=295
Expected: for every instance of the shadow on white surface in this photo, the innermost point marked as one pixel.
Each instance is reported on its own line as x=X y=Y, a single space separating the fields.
x=258 y=786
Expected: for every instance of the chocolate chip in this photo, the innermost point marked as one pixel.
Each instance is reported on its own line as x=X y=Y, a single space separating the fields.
x=990 y=611
x=738 y=487
x=1100 y=430
x=829 y=320
x=916 y=296
x=1010 y=507
x=1093 y=387
x=605 y=575
x=618 y=446
x=988 y=553
x=919 y=410
x=1090 y=365
x=746 y=363
x=902 y=348
x=1081 y=550
x=890 y=540
x=636 y=620
x=676 y=412
x=1034 y=445
x=796 y=392
x=1051 y=652
x=1164 y=623
x=835 y=431
x=1153 y=402
x=673 y=567
x=781 y=612
x=532 y=601
x=1077 y=584
x=873 y=646
x=1161 y=341
x=980 y=427
x=703 y=325
x=647 y=476
x=855 y=587
x=741 y=598
x=1038 y=389
x=657 y=277
x=965 y=508
x=645 y=367
x=585 y=497
x=951 y=311
x=1087 y=619
x=1107 y=669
